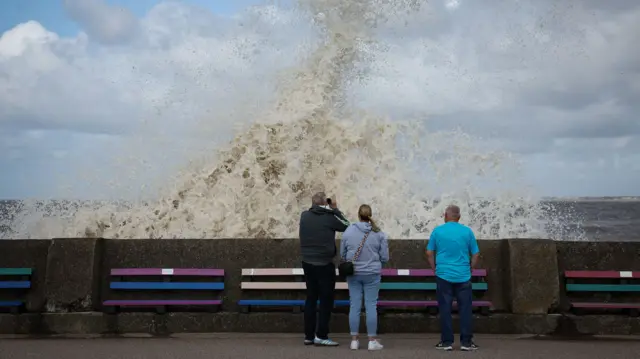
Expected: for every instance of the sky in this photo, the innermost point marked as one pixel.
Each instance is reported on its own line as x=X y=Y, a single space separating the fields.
x=96 y=92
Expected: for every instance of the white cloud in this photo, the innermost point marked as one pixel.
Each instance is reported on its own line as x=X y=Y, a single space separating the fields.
x=107 y=24
x=555 y=82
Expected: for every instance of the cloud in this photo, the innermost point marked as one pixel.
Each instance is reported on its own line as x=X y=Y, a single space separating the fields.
x=107 y=24
x=554 y=82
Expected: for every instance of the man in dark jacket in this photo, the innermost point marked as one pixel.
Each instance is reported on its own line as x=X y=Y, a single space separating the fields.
x=318 y=227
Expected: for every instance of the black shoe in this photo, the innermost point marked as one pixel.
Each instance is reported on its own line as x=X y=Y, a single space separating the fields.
x=308 y=342
x=469 y=348
x=446 y=348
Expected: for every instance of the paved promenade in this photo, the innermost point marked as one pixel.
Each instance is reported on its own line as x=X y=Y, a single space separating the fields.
x=286 y=346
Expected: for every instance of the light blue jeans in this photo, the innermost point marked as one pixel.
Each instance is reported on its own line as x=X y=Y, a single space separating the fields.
x=369 y=285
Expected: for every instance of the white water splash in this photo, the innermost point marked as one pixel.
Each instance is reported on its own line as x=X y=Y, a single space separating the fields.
x=312 y=139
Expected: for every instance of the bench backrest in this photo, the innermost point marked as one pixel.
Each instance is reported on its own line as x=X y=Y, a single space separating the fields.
x=15 y=278
x=297 y=273
x=602 y=281
x=172 y=278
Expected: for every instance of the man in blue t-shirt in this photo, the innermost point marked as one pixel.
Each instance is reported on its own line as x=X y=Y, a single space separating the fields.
x=456 y=252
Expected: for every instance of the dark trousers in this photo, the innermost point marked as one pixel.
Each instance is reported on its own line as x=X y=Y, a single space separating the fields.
x=446 y=291
x=321 y=285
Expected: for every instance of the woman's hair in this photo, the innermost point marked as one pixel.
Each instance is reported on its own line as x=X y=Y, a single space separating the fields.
x=364 y=213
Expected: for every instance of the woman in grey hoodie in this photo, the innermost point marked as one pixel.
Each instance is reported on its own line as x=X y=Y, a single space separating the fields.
x=367 y=272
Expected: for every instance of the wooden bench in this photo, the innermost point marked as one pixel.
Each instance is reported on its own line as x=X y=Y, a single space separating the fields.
x=209 y=280
x=12 y=282
x=619 y=284
x=479 y=285
x=297 y=274
x=288 y=279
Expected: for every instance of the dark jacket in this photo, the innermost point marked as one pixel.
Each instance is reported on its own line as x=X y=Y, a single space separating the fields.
x=318 y=227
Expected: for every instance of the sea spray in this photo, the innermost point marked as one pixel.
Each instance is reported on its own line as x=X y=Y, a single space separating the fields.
x=311 y=138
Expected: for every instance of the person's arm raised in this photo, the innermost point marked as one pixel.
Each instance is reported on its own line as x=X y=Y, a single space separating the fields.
x=339 y=221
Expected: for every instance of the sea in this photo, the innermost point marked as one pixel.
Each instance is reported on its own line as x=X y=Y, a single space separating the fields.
x=596 y=218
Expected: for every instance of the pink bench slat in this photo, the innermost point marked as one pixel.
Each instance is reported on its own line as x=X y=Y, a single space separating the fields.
x=601 y=274
x=167 y=271
x=392 y=272
x=607 y=305
x=149 y=303
x=424 y=303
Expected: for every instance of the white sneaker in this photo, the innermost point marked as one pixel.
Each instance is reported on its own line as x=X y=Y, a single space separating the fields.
x=375 y=345
x=355 y=345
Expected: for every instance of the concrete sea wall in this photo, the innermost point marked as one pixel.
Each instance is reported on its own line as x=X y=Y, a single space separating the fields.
x=71 y=279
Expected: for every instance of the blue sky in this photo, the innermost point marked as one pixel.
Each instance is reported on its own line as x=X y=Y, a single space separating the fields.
x=52 y=15
x=94 y=92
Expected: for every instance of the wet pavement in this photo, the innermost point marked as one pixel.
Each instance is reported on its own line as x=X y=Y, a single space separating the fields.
x=287 y=346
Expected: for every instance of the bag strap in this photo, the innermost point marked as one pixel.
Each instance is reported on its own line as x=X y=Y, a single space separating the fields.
x=357 y=254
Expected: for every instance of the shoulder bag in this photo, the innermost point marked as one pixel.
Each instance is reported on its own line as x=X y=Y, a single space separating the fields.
x=346 y=268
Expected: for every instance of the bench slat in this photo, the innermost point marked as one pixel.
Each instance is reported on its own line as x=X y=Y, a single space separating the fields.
x=344 y=286
x=603 y=287
x=388 y=272
x=391 y=272
x=16 y=271
x=167 y=271
x=283 y=285
x=15 y=284
x=168 y=285
x=150 y=303
x=601 y=274
x=10 y=303
x=606 y=305
x=341 y=303
x=425 y=303
x=423 y=286
x=284 y=302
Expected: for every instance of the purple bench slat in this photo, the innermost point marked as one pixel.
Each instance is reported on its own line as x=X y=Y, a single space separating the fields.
x=151 y=303
x=607 y=305
x=392 y=272
x=424 y=303
x=167 y=271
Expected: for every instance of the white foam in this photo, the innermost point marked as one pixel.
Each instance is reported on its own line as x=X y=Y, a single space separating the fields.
x=310 y=139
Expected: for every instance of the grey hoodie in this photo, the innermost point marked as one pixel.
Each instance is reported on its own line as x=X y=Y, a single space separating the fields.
x=374 y=253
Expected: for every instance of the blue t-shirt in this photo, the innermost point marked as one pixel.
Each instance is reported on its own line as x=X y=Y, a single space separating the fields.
x=453 y=244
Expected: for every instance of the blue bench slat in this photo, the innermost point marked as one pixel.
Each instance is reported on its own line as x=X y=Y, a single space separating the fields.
x=284 y=302
x=11 y=303
x=168 y=285
x=15 y=284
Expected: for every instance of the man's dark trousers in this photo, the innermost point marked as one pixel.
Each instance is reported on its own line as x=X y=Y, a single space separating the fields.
x=321 y=284
x=446 y=291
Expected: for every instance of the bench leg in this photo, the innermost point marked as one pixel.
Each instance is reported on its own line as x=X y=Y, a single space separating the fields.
x=432 y=310
x=484 y=311
x=244 y=309
x=634 y=312
x=214 y=309
x=161 y=309
x=297 y=309
x=110 y=309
